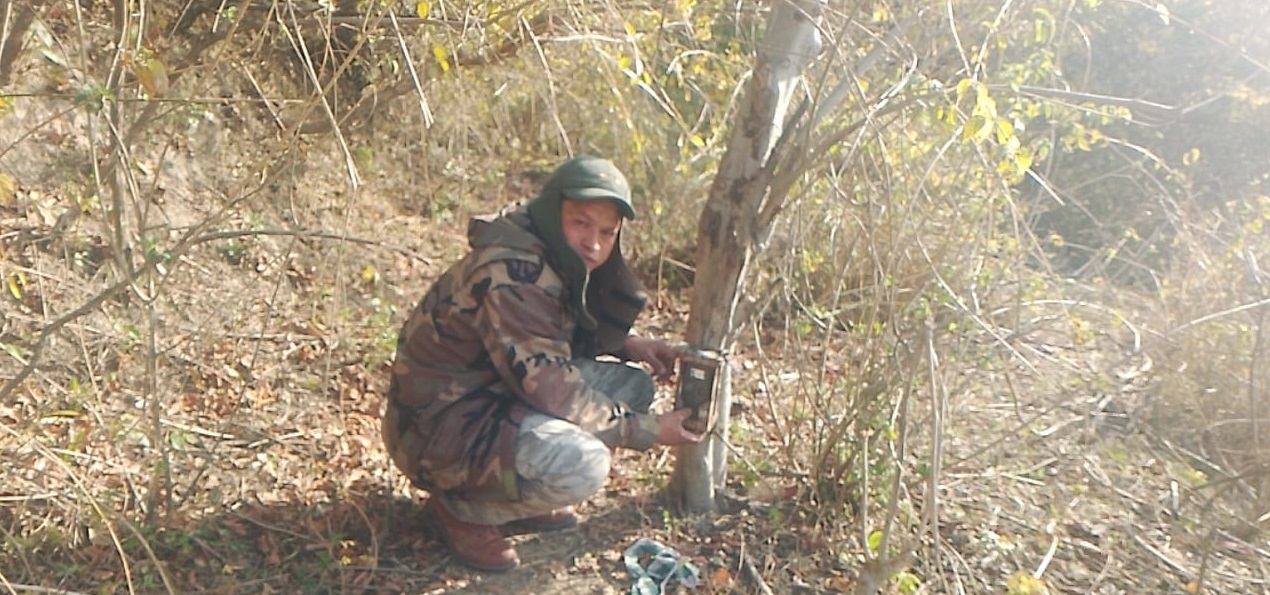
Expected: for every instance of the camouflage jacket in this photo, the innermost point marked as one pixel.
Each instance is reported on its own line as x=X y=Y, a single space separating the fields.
x=492 y=340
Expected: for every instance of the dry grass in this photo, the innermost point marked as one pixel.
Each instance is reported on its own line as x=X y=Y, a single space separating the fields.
x=200 y=414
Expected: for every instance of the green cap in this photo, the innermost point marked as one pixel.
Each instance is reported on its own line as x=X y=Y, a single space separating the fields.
x=591 y=178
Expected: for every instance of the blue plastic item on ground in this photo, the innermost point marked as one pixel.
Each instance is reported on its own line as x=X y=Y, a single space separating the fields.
x=664 y=565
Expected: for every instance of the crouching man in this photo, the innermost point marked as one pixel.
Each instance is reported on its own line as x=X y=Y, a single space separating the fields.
x=498 y=406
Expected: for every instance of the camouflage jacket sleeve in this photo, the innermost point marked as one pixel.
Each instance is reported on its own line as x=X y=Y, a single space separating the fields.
x=525 y=326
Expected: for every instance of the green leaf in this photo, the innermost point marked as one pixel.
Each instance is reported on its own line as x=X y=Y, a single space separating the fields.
x=179 y=439
x=907 y=583
x=16 y=352
x=875 y=541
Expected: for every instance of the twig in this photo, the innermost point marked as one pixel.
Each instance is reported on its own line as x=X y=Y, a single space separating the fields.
x=414 y=74
x=279 y=440
x=1178 y=568
x=36 y=589
x=753 y=574
x=267 y=526
x=31 y=498
x=199 y=431
x=90 y=306
x=1102 y=574
x=77 y=481
x=938 y=403
x=264 y=99
x=1049 y=557
x=290 y=337
x=1227 y=536
x=302 y=234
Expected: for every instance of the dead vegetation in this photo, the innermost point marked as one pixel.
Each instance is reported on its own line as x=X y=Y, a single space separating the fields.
x=200 y=296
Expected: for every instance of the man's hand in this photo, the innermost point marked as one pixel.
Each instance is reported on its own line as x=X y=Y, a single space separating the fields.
x=654 y=352
x=671 y=432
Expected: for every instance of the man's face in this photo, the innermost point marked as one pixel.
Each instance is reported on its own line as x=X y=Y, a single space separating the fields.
x=590 y=228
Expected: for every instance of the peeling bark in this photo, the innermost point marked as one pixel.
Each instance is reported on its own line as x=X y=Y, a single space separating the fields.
x=726 y=232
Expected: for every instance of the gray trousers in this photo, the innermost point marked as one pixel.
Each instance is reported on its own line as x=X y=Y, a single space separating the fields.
x=560 y=464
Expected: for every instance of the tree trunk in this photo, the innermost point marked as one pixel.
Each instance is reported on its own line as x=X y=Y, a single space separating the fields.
x=14 y=23
x=730 y=225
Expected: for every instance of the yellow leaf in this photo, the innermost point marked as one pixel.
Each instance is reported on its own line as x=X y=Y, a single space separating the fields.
x=64 y=413
x=1023 y=159
x=962 y=87
x=630 y=29
x=158 y=75
x=985 y=105
x=1005 y=130
x=443 y=57
x=1021 y=583
x=975 y=126
x=151 y=73
x=697 y=141
x=8 y=186
x=1192 y=587
x=1191 y=157
x=369 y=274
x=17 y=282
x=422 y=9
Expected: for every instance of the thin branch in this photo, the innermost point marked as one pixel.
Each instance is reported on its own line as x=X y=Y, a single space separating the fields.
x=754 y=575
x=857 y=69
x=301 y=49
x=302 y=234
x=531 y=29
x=1137 y=105
x=35 y=589
x=1182 y=571
x=414 y=74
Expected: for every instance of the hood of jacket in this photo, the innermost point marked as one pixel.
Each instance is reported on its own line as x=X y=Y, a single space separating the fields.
x=605 y=303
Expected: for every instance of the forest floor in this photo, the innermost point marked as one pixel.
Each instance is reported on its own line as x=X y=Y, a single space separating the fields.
x=214 y=429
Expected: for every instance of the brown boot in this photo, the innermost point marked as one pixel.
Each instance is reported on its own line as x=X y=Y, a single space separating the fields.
x=482 y=547
x=560 y=518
